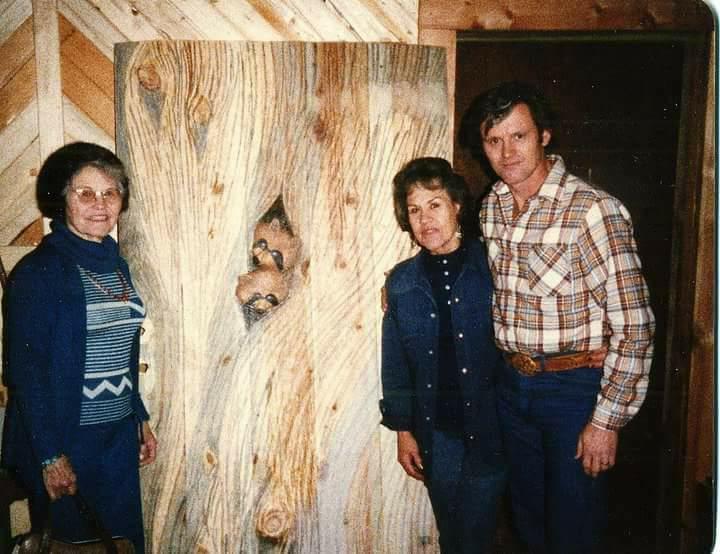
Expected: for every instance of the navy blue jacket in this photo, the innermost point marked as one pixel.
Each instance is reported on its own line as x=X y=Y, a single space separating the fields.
x=410 y=354
x=44 y=332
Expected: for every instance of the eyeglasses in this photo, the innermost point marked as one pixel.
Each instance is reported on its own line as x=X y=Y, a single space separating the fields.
x=88 y=195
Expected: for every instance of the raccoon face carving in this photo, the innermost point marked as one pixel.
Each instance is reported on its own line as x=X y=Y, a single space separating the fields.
x=274 y=245
x=259 y=291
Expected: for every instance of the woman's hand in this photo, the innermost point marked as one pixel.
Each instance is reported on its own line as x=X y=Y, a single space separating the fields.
x=59 y=478
x=409 y=455
x=148 y=446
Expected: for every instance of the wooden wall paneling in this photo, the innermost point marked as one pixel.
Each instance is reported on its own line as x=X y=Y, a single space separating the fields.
x=87 y=78
x=94 y=24
x=16 y=51
x=12 y=15
x=17 y=136
x=275 y=427
x=447 y=39
x=701 y=428
x=673 y=524
x=48 y=84
x=78 y=126
x=545 y=15
x=18 y=194
x=17 y=93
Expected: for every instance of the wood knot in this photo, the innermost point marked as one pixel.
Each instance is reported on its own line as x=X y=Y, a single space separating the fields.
x=319 y=129
x=273 y=524
x=149 y=77
x=201 y=112
x=210 y=459
x=218 y=188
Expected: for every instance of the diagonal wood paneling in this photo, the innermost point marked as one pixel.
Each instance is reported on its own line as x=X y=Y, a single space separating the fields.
x=18 y=89
x=18 y=194
x=16 y=51
x=87 y=77
x=12 y=14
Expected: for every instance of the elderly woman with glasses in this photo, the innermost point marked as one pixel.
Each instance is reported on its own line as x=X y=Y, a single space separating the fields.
x=75 y=419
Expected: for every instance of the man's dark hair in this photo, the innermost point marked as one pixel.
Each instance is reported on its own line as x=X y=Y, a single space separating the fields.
x=61 y=166
x=430 y=174
x=493 y=105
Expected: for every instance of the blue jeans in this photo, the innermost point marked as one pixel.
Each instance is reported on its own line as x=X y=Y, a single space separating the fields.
x=556 y=507
x=464 y=493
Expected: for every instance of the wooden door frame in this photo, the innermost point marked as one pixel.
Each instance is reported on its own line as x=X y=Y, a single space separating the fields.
x=689 y=402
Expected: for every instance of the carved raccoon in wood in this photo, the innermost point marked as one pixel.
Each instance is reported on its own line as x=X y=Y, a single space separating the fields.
x=260 y=291
x=274 y=245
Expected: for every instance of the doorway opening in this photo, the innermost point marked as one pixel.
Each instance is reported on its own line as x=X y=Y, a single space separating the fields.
x=619 y=98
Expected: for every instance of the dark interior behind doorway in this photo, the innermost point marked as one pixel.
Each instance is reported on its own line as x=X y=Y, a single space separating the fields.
x=619 y=104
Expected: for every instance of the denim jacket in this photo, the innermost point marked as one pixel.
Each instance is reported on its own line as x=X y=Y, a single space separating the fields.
x=410 y=354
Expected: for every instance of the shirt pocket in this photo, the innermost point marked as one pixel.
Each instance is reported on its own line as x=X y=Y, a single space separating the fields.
x=549 y=270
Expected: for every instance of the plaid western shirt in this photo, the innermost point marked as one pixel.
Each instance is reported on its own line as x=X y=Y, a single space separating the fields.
x=568 y=278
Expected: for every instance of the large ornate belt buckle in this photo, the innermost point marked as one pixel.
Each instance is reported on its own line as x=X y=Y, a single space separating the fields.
x=524 y=364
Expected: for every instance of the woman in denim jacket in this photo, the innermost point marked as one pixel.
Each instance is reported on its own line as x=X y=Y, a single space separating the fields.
x=439 y=359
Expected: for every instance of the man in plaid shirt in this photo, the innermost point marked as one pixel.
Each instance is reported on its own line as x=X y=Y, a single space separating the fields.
x=568 y=290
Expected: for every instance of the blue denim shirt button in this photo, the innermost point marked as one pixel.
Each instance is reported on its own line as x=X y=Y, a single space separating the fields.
x=460 y=335
x=432 y=316
x=464 y=370
x=429 y=385
x=431 y=352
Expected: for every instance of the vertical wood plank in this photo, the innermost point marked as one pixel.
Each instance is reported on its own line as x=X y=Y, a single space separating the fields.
x=48 y=83
x=447 y=39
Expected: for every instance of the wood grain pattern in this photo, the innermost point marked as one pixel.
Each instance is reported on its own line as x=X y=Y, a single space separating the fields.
x=270 y=435
x=87 y=78
x=16 y=51
x=546 y=15
x=17 y=93
x=12 y=14
x=48 y=83
x=17 y=192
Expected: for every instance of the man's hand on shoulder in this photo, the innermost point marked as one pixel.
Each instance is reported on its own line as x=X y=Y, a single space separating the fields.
x=596 y=448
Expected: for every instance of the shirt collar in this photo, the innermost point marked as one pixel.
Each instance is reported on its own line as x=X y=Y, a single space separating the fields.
x=552 y=188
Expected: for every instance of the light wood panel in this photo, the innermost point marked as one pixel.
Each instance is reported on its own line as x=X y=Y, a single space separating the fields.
x=48 y=84
x=270 y=435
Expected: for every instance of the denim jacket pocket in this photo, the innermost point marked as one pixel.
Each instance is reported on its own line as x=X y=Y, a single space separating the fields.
x=548 y=270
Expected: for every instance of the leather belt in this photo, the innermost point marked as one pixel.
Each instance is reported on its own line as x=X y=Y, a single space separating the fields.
x=527 y=365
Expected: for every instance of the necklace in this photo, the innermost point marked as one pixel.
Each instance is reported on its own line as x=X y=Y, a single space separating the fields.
x=124 y=296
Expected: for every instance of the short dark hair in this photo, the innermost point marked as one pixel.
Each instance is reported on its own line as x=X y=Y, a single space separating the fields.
x=430 y=174
x=493 y=105
x=61 y=166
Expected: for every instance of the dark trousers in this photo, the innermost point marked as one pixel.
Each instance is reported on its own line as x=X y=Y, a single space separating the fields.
x=464 y=493
x=556 y=507
x=105 y=459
